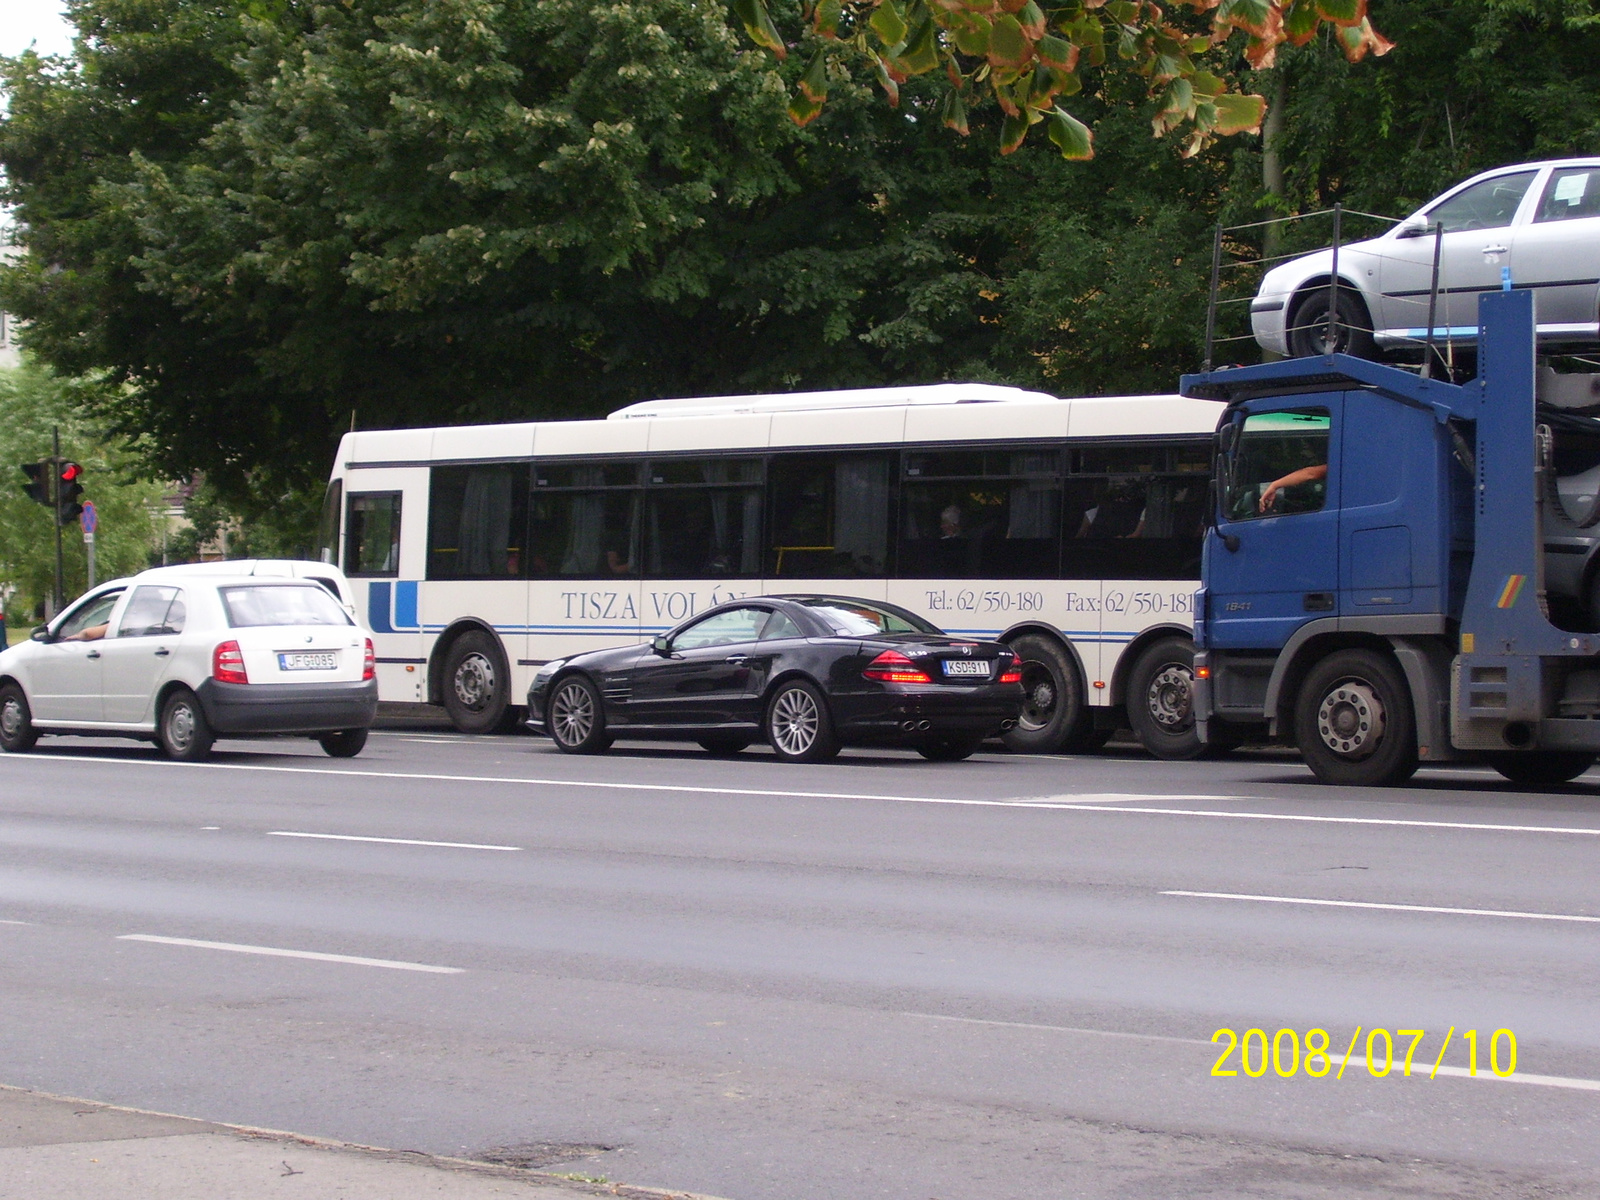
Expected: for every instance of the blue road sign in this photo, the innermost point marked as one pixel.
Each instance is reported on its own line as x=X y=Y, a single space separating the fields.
x=90 y=517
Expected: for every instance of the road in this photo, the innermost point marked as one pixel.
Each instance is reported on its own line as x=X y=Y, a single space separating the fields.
x=874 y=978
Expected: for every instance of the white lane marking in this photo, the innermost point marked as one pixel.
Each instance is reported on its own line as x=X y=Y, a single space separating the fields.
x=1067 y=799
x=16 y=922
x=1110 y=1033
x=351 y=837
x=1421 y=908
x=277 y=952
x=1040 y=803
x=1418 y=1071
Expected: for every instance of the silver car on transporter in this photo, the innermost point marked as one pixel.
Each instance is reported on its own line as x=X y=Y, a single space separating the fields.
x=1534 y=224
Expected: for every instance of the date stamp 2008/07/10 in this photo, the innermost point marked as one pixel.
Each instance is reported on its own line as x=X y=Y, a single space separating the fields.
x=1286 y=1054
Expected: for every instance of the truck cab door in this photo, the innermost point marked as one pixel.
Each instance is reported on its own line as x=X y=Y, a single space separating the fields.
x=1273 y=559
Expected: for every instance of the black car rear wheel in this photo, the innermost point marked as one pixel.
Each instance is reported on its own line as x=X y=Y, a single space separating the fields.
x=798 y=725
x=576 y=718
x=724 y=746
x=950 y=747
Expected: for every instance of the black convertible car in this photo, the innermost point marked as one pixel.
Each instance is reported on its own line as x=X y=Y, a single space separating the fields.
x=808 y=674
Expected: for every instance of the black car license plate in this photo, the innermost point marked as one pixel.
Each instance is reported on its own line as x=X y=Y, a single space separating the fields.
x=966 y=667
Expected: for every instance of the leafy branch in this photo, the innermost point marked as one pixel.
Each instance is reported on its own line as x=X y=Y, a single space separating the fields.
x=1029 y=54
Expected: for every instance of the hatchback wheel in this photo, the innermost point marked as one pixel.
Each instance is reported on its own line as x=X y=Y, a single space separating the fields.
x=1352 y=331
x=16 y=721
x=575 y=717
x=347 y=743
x=798 y=725
x=185 y=734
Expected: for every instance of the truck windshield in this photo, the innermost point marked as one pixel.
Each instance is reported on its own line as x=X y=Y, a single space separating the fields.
x=1279 y=465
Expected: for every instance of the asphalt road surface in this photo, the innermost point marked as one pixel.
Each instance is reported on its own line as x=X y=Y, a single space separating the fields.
x=874 y=978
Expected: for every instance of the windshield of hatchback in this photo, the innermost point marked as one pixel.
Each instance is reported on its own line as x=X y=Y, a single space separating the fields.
x=281 y=605
x=857 y=618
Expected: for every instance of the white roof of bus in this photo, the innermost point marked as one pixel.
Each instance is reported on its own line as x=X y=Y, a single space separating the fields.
x=888 y=397
x=878 y=416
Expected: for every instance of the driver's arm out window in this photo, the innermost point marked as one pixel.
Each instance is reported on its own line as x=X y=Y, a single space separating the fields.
x=1279 y=465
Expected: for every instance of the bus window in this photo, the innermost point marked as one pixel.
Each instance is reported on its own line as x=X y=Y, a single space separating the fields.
x=478 y=521
x=1135 y=512
x=585 y=521
x=328 y=533
x=829 y=516
x=1002 y=520
x=372 y=534
x=703 y=518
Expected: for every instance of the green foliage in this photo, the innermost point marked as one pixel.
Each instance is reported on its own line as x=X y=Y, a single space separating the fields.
x=32 y=400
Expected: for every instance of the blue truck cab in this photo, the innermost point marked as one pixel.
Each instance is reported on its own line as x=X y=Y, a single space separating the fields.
x=1373 y=582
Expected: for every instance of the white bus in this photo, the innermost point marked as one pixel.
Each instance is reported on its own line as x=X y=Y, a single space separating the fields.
x=1070 y=529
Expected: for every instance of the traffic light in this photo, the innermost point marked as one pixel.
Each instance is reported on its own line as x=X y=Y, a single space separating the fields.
x=38 y=485
x=68 y=488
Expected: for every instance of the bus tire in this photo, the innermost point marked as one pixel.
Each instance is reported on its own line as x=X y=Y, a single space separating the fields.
x=1542 y=766
x=1353 y=721
x=476 y=683
x=1161 y=700
x=1055 y=714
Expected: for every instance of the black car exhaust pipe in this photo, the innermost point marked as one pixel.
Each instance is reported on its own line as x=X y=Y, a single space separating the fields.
x=908 y=726
x=924 y=724
x=1005 y=725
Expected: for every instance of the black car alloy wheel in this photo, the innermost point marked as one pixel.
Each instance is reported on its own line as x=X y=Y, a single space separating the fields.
x=575 y=718
x=798 y=725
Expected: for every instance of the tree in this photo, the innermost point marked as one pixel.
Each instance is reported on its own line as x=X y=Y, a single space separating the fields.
x=1024 y=54
x=32 y=400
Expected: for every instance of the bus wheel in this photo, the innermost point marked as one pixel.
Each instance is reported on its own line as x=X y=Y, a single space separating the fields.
x=1353 y=721
x=1161 y=700
x=475 y=683
x=1055 y=713
x=1542 y=766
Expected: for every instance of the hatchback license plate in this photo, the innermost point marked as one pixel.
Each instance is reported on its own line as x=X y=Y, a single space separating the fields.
x=326 y=660
x=966 y=666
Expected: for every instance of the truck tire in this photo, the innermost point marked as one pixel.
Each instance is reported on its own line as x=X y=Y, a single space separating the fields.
x=1542 y=766
x=1055 y=714
x=1161 y=700
x=1353 y=721
x=477 y=684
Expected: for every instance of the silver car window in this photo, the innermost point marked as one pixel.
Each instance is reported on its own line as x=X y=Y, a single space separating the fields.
x=277 y=604
x=153 y=612
x=95 y=612
x=1488 y=205
x=1571 y=193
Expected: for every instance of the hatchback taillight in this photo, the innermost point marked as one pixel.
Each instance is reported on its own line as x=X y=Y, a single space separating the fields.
x=227 y=664
x=369 y=664
x=893 y=667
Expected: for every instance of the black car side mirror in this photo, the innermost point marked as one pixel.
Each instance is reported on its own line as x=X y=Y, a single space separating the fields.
x=41 y=633
x=660 y=645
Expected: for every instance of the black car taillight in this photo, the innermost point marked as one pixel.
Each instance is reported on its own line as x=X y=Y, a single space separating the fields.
x=893 y=667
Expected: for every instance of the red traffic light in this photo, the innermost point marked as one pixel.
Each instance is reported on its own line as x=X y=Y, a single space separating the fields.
x=70 y=471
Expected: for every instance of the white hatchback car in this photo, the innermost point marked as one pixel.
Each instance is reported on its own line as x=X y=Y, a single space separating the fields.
x=1536 y=225
x=182 y=659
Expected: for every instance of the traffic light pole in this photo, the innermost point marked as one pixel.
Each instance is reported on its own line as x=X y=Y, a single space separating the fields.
x=55 y=504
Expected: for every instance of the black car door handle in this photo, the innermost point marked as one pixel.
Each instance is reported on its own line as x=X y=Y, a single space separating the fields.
x=737 y=659
x=163 y=652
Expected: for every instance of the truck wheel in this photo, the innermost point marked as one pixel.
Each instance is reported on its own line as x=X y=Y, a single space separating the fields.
x=1353 y=721
x=1352 y=330
x=476 y=689
x=1055 y=712
x=1161 y=700
x=1542 y=766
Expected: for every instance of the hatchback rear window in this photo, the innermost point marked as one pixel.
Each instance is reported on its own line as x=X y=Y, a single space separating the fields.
x=281 y=605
